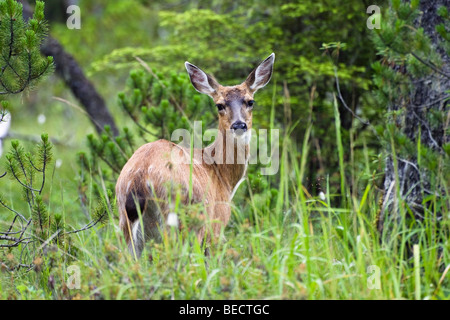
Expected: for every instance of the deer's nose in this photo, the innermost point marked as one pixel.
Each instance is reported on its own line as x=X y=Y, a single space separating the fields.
x=239 y=126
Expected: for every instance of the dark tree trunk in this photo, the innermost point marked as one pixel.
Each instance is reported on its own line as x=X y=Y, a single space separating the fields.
x=428 y=94
x=73 y=76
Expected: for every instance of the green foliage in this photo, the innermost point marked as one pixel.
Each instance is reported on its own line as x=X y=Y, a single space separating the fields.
x=103 y=17
x=443 y=28
x=24 y=165
x=283 y=240
x=33 y=232
x=21 y=63
x=311 y=251
x=406 y=56
x=24 y=168
x=159 y=106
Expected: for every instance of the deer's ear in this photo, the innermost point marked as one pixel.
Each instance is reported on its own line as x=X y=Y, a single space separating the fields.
x=259 y=77
x=202 y=82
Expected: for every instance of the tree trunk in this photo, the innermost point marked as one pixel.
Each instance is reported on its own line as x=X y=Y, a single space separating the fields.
x=428 y=94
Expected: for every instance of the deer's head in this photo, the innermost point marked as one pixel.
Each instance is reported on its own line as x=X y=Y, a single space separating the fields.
x=235 y=103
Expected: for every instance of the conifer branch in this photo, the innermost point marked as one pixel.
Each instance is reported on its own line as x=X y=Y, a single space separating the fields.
x=430 y=65
x=21 y=64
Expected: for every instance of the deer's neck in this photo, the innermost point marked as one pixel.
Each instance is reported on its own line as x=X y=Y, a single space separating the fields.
x=230 y=158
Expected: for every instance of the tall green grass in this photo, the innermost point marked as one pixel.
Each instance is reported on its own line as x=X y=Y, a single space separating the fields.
x=304 y=248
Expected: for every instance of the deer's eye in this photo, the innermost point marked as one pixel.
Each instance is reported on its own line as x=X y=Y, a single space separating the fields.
x=251 y=103
x=220 y=106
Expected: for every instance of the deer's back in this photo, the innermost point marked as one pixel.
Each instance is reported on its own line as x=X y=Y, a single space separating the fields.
x=157 y=171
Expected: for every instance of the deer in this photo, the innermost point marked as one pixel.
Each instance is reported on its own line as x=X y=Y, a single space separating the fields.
x=145 y=185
